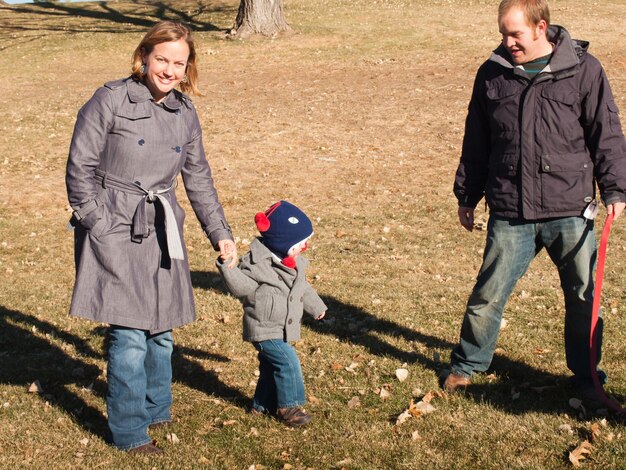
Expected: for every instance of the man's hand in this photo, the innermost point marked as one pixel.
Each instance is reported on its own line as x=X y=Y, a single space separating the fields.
x=616 y=209
x=228 y=250
x=466 y=217
x=321 y=315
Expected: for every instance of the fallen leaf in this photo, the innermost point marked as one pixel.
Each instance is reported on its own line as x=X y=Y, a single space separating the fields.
x=287 y=466
x=230 y=422
x=84 y=441
x=173 y=438
x=580 y=453
x=402 y=374
x=336 y=366
x=431 y=395
x=595 y=432
x=566 y=428
x=402 y=417
x=384 y=393
x=35 y=387
x=415 y=435
x=542 y=350
x=254 y=432
x=354 y=402
x=203 y=460
x=420 y=408
x=314 y=400
x=352 y=367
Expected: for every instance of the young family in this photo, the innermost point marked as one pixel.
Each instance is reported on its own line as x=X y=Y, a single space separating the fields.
x=542 y=132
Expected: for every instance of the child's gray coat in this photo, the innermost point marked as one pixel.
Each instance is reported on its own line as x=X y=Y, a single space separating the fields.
x=274 y=296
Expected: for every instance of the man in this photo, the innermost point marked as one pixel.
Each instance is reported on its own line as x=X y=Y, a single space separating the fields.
x=542 y=130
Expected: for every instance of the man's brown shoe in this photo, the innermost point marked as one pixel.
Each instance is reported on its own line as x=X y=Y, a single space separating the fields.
x=149 y=448
x=455 y=383
x=295 y=416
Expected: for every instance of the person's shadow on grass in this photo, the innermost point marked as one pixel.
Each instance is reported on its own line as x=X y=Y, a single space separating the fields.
x=519 y=388
x=64 y=366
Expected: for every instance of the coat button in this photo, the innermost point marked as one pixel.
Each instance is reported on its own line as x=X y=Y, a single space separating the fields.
x=138 y=183
x=511 y=167
x=290 y=321
x=178 y=149
x=141 y=142
x=546 y=167
x=585 y=165
x=178 y=112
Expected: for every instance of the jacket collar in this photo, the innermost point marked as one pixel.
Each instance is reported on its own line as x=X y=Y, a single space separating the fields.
x=259 y=252
x=565 y=58
x=138 y=92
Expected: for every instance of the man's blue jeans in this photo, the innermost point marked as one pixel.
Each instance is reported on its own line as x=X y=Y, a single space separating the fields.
x=139 y=384
x=280 y=382
x=511 y=246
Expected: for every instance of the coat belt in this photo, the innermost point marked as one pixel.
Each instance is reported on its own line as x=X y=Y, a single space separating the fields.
x=140 y=223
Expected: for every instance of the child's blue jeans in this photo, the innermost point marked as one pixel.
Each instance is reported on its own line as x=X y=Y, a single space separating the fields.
x=280 y=382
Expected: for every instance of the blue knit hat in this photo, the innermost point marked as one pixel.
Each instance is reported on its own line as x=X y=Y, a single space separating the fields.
x=283 y=227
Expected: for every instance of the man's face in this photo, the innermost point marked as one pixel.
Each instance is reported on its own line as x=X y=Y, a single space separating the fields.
x=523 y=41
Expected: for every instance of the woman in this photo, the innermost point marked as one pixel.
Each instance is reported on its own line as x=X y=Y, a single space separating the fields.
x=130 y=142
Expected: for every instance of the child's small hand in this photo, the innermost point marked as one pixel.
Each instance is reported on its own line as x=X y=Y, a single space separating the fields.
x=320 y=316
x=228 y=250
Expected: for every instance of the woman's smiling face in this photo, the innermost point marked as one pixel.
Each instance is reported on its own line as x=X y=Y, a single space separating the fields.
x=165 y=67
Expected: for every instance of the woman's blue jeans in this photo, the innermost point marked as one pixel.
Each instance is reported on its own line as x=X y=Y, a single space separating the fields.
x=511 y=246
x=139 y=384
x=280 y=382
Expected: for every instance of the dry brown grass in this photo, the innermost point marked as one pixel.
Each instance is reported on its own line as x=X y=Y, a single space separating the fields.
x=358 y=119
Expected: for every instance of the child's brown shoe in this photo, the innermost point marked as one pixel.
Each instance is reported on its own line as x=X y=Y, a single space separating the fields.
x=295 y=416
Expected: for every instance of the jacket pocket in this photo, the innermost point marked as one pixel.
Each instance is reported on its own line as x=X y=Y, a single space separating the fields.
x=502 y=182
x=614 y=122
x=270 y=309
x=566 y=181
x=95 y=221
x=560 y=116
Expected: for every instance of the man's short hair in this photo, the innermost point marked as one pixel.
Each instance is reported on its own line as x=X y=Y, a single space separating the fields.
x=534 y=10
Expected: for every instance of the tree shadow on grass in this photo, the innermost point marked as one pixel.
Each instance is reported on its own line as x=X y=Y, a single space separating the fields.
x=520 y=388
x=106 y=17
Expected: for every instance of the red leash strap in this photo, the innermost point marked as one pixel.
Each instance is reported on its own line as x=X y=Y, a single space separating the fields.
x=597 y=294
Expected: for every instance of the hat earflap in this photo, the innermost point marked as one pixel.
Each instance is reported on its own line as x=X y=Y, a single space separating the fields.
x=290 y=262
x=262 y=222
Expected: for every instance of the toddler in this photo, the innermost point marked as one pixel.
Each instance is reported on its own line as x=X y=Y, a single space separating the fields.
x=270 y=281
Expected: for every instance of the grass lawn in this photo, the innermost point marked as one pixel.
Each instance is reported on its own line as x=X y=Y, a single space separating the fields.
x=358 y=119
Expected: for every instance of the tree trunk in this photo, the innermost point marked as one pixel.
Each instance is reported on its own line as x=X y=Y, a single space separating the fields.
x=264 y=17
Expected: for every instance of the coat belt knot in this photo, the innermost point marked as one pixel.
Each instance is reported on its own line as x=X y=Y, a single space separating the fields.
x=140 y=224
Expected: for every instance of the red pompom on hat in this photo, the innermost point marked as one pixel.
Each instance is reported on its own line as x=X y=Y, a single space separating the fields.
x=262 y=222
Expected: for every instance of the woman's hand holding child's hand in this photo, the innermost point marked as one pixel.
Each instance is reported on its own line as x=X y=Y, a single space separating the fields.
x=320 y=316
x=228 y=250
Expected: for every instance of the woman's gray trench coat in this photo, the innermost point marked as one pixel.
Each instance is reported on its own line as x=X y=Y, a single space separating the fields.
x=125 y=156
